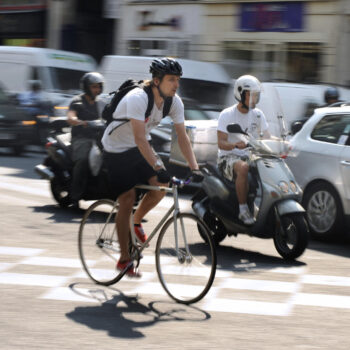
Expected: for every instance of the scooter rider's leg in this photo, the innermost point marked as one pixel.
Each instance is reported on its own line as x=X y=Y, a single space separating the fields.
x=79 y=180
x=126 y=202
x=241 y=169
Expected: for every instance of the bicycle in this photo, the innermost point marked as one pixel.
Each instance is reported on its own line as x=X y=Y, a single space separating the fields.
x=185 y=263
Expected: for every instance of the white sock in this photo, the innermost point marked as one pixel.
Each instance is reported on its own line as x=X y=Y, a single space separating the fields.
x=243 y=207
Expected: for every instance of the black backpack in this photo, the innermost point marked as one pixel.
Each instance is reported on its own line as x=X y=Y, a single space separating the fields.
x=128 y=85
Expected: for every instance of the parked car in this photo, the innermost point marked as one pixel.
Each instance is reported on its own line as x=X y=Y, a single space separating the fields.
x=322 y=168
x=17 y=128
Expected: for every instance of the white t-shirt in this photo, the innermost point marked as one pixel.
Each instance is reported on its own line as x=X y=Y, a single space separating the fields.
x=133 y=106
x=253 y=122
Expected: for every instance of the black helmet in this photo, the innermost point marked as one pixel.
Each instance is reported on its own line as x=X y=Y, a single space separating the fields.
x=331 y=93
x=91 y=78
x=162 y=66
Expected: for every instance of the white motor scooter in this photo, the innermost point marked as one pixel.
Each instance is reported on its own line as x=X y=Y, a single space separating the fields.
x=274 y=198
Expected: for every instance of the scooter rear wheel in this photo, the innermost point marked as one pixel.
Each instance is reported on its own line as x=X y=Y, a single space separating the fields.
x=60 y=193
x=291 y=235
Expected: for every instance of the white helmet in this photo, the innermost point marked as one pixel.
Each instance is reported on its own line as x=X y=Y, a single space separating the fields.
x=246 y=83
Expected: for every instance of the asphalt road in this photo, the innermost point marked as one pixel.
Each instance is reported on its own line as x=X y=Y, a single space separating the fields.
x=258 y=301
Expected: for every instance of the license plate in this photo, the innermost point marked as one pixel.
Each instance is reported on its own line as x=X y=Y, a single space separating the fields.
x=5 y=136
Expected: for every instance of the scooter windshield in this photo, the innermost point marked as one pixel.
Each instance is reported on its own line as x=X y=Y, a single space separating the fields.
x=270 y=104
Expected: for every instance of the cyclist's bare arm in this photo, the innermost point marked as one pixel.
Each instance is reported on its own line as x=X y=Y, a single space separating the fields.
x=185 y=146
x=138 y=128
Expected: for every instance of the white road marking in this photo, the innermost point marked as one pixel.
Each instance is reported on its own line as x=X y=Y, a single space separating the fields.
x=150 y=285
x=25 y=189
x=51 y=261
x=323 y=300
x=6 y=266
x=327 y=280
x=260 y=285
x=27 y=279
x=20 y=251
x=245 y=307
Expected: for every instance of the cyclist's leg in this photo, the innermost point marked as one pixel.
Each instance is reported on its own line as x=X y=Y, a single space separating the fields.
x=149 y=201
x=126 y=202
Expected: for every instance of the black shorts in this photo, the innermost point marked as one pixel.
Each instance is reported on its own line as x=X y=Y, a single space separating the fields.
x=126 y=170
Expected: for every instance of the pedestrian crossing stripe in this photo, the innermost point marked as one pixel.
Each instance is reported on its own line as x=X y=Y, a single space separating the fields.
x=149 y=285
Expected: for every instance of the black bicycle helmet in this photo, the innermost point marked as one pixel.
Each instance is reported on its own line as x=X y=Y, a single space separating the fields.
x=331 y=93
x=91 y=78
x=162 y=66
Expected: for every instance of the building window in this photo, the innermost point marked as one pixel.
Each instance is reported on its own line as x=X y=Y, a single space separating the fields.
x=303 y=62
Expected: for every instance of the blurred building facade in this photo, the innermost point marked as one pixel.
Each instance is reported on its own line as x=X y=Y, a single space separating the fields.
x=301 y=40
x=304 y=41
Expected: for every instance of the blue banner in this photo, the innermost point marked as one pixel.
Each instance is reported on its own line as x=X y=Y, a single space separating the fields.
x=272 y=17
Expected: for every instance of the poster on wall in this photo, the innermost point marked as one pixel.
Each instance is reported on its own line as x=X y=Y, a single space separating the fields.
x=272 y=17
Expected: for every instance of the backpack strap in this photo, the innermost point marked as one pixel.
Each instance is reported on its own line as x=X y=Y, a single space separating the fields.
x=167 y=102
x=149 y=92
x=167 y=105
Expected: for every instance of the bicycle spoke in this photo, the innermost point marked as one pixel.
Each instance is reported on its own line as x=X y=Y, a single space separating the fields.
x=98 y=243
x=186 y=271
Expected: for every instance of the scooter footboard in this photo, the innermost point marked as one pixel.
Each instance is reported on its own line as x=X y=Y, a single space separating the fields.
x=289 y=206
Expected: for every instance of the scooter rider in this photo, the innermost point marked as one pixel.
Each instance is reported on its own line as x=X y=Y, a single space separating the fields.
x=232 y=153
x=83 y=108
x=331 y=96
x=129 y=156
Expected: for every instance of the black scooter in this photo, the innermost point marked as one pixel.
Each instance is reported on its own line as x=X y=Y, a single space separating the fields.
x=57 y=166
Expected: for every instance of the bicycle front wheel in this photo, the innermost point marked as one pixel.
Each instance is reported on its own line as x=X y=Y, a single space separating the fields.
x=98 y=243
x=185 y=263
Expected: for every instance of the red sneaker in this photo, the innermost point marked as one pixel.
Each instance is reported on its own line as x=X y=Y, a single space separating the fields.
x=140 y=233
x=131 y=270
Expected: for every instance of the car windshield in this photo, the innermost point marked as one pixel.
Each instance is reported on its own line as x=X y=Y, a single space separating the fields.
x=206 y=93
x=65 y=79
x=195 y=114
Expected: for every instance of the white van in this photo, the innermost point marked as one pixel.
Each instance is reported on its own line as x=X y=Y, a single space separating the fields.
x=59 y=71
x=298 y=101
x=206 y=82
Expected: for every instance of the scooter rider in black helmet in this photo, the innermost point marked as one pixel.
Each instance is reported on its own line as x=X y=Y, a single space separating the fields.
x=129 y=156
x=83 y=108
x=331 y=96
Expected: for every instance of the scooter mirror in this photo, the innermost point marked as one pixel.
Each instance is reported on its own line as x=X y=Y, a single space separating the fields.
x=235 y=129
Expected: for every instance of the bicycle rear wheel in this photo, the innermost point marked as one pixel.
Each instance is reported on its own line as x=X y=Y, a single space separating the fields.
x=98 y=243
x=185 y=274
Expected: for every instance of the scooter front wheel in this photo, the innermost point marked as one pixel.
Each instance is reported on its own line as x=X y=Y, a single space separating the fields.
x=291 y=235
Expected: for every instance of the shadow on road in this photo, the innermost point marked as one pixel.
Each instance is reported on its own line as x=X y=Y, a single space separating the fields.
x=60 y=215
x=335 y=248
x=243 y=261
x=123 y=316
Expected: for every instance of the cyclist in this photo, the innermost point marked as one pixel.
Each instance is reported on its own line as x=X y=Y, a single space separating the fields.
x=232 y=153
x=129 y=156
x=82 y=109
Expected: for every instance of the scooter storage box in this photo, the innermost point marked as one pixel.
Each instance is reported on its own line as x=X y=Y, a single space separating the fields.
x=204 y=144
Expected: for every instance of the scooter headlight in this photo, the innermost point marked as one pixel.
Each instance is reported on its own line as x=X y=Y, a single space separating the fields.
x=293 y=187
x=283 y=186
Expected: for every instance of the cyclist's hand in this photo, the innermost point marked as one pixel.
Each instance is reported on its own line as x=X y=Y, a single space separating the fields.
x=163 y=176
x=195 y=176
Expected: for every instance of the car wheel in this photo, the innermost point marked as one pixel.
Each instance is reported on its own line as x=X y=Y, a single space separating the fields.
x=324 y=211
